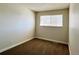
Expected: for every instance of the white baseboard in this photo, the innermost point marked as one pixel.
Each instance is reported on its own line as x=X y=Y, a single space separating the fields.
x=2 y=50
x=69 y=49
x=52 y=40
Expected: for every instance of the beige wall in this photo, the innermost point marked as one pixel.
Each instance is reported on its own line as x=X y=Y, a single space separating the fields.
x=74 y=29
x=17 y=24
x=53 y=33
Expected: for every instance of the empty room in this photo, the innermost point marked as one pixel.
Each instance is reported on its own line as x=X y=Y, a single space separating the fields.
x=39 y=29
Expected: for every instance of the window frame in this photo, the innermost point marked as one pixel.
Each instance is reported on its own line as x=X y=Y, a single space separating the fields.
x=50 y=22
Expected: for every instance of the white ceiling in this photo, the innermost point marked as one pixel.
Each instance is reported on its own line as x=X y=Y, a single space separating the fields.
x=41 y=6
x=46 y=6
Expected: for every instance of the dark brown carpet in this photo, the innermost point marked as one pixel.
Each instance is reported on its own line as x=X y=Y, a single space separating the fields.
x=38 y=47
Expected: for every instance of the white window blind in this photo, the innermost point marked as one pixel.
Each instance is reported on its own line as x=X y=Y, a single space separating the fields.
x=51 y=20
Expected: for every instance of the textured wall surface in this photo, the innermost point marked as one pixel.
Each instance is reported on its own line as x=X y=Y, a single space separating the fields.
x=53 y=33
x=17 y=24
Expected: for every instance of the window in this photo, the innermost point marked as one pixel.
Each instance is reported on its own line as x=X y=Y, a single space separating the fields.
x=51 y=20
